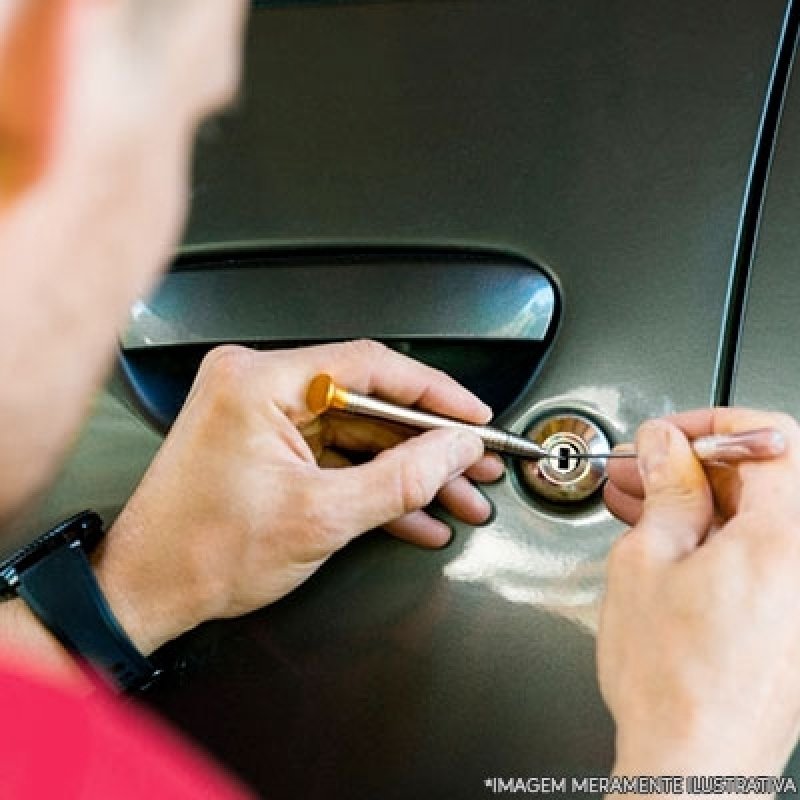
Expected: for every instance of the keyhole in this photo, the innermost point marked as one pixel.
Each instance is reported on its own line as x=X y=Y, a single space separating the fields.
x=570 y=472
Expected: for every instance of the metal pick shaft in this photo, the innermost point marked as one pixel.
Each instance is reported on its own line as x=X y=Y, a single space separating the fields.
x=324 y=394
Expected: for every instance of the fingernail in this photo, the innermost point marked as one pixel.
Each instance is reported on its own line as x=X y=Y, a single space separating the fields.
x=442 y=532
x=491 y=514
x=624 y=447
x=652 y=443
x=447 y=536
x=498 y=464
x=764 y=443
x=706 y=448
x=485 y=505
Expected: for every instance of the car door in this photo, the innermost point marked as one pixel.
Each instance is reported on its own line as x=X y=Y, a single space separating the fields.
x=766 y=374
x=599 y=153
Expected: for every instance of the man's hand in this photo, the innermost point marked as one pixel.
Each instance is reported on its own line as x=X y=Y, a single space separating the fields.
x=699 y=643
x=237 y=509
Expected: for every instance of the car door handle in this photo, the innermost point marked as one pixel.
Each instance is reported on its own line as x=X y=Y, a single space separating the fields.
x=311 y=298
x=486 y=318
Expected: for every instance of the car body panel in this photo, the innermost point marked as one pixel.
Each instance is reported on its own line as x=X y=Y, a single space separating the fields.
x=769 y=361
x=607 y=143
x=381 y=297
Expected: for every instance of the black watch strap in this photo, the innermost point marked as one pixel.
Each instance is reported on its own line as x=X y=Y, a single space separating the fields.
x=61 y=589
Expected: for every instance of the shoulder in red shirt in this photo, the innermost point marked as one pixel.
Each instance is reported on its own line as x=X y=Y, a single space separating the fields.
x=58 y=741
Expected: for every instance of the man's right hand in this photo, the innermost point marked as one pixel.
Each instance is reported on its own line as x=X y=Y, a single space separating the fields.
x=237 y=509
x=699 y=642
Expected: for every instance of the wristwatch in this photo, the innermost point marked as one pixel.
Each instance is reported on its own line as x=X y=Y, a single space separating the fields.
x=53 y=575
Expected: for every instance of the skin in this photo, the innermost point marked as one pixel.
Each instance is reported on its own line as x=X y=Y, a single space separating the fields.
x=102 y=158
x=699 y=638
x=249 y=495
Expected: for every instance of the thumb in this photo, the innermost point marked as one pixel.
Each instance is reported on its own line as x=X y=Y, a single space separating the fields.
x=678 y=505
x=400 y=480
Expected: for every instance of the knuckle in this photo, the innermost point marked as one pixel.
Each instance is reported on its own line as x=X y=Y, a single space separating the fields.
x=367 y=349
x=620 y=550
x=222 y=373
x=317 y=527
x=785 y=422
x=415 y=491
x=673 y=495
x=630 y=549
x=224 y=362
x=438 y=375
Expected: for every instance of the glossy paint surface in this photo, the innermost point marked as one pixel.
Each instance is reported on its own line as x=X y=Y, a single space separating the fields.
x=769 y=359
x=607 y=142
x=313 y=298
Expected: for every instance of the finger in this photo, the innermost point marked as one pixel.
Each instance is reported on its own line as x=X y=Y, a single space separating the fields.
x=624 y=473
x=368 y=368
x=488 y=470
x=625 y=507
x=465 y=502
x=762 y=444
x=726 y=486
x=624 y=489
x=421 y=529
x=395 y=483
x=704 y=428
x=752 y=485
x=330 y=459
x=678 y=507
x=459 y=497
x=707 y=421
x=359 y=434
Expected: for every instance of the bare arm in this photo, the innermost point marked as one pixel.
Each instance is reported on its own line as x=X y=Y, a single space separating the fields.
x=238 y=508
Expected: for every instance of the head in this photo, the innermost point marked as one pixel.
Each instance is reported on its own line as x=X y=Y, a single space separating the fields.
x=99 y=103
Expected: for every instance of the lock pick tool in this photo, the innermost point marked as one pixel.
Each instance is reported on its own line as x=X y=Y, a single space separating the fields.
x=324 y=395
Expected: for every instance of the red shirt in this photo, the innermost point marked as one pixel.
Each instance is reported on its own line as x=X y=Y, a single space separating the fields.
x=57 y=741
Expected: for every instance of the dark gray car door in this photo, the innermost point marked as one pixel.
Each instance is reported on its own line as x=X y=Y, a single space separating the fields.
x=768 y=368
x=607 y=144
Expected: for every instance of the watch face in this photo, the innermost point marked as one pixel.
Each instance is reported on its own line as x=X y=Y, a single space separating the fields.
x=84 y=529
x=8 y=582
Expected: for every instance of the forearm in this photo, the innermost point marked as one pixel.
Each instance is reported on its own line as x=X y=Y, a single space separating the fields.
x=22 y=635
x=151 y=611
x=155 y=598
x=691 y=769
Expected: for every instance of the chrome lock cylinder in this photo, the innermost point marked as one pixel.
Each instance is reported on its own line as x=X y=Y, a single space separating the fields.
x=561 y=478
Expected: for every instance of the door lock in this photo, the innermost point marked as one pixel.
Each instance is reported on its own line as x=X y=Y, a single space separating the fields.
x=560 y=478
